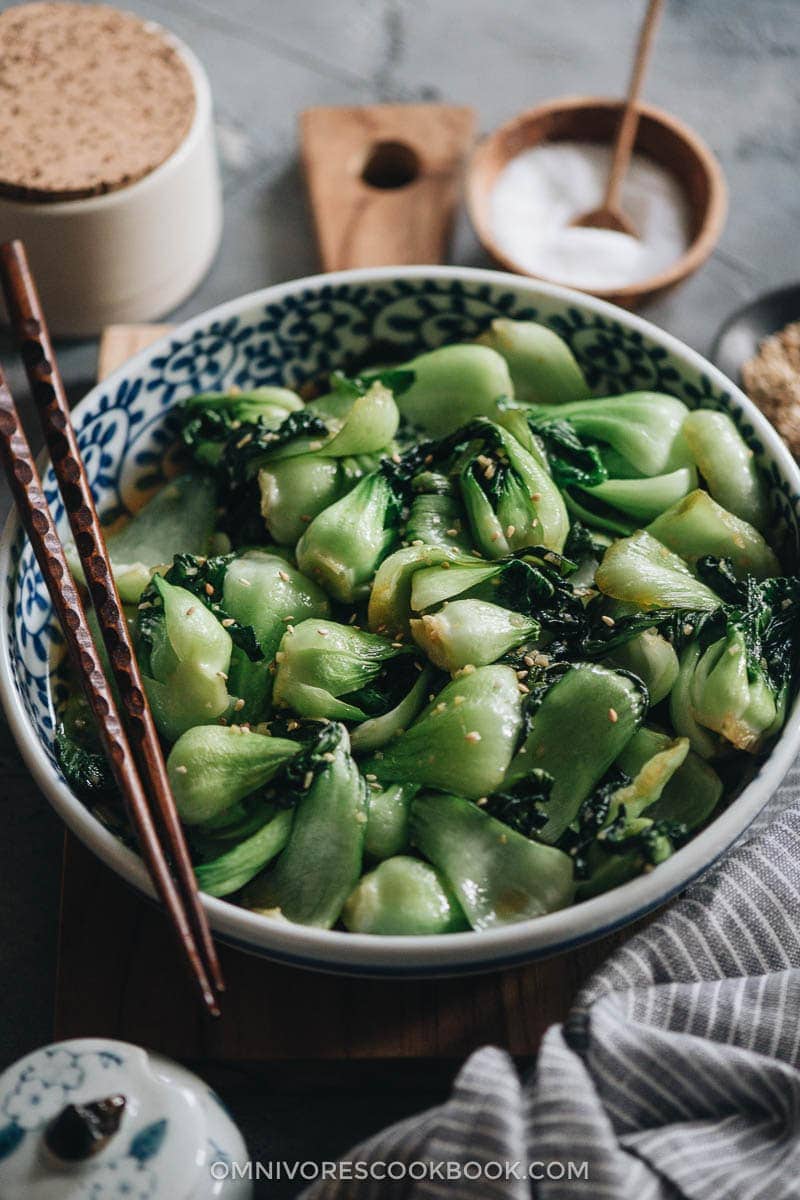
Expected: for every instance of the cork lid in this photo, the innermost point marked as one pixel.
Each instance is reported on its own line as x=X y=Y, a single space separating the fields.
x=91 y=99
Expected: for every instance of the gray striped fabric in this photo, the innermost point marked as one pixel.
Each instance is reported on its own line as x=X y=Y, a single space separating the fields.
x=676 y=1074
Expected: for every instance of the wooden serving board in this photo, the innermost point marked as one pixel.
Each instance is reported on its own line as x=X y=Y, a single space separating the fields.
x=383 y=182
x=118 y=974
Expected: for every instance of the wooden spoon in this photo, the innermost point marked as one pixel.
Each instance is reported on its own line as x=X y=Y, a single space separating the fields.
x=610 y=215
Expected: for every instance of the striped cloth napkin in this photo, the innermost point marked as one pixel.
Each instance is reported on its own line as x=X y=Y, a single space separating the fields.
x=677 y=1073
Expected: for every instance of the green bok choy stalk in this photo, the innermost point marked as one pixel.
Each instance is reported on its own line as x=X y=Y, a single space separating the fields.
x=403 y=896
x=209 y=419
x=436 y=516
x=264 y=592
x=212 y=767
x=378 y=730
x=615 y=837
x=542 y=366
x=179 y=517
x=307 y=462
x=620 y=461
x=736 y=672
x=321 y=864
x=509 y=496
x=499 y=876
x=639 y=434
x=388 y=817
x=295 y=490
x=697 y=526
x=641 y=571
x=474 y=722
x=576 y=727
x=728 y=466
x=650 y=656
x=689 y=796
x=453 y=385
x=324 y=669
x=345 y=544
x=471 y=631
x=235 y=867
x=185 y=654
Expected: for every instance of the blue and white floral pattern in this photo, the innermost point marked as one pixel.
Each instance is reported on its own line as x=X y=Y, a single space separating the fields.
x=42 y=1088
x=125 y=430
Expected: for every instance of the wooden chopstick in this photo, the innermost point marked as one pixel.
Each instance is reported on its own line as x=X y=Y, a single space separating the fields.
x=143 y=747
x=26 y=489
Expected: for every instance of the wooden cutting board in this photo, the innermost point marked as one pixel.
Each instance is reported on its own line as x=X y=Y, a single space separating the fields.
x=118 y=975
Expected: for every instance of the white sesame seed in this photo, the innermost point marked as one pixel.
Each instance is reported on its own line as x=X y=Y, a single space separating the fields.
x=609 y=621
x=182 y=770
x=613 y=716
x=473 y=736
x=284 y=576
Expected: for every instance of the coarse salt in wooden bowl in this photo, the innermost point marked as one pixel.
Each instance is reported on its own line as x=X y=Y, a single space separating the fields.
x=660 y=136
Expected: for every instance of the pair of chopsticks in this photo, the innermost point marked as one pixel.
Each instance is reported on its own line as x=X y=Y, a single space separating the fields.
x=128 y=732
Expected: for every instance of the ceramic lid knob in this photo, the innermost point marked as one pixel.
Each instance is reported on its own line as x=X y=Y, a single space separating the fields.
x=103 y=1120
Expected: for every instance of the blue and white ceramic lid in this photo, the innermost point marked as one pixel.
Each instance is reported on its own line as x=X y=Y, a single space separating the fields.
x=103 y=1120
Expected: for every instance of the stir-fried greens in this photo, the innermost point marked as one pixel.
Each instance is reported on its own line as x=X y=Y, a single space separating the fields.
x=455 y=643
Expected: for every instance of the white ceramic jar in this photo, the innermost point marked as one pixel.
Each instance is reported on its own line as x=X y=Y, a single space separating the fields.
x=132 y=254
x=169 y=1139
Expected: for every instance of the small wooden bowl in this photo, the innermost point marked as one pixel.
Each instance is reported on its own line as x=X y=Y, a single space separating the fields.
x=661 y=136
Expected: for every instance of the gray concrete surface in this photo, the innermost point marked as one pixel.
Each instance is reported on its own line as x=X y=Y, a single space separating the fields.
x=727 y=67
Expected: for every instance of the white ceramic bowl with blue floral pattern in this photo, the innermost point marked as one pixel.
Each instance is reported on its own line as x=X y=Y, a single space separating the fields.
x=288 y=334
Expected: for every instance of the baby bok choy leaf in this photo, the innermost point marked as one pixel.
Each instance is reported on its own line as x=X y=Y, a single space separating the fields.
x=235 y=867
x=641 y=571
x=598 y=839
x=639 y=434
x=499 y=876
x=735 y=674
x=389 y=610
x=628 y=847
x=321 y=864
x=697 y=526
x=728 y=466
x=179 y=517
x=509 y=495
x=212 y=767
x=328 y=670
x=621 y=505
x=718 y=689
x=209 y=419
x=453 y=385
x=388 y=816
x=294 y=490
x=542 y=366
x=689 y=796
x=345 y=544
x=471 y=726
x=471 y=631
x=576 y=727
x=263 y=592
x=403 y=895
x=650 y=656
x=377 y=731
x=185 y=654
x=436 y=516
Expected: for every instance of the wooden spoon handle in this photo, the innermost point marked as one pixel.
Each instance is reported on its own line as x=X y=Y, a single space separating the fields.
x=626 y=134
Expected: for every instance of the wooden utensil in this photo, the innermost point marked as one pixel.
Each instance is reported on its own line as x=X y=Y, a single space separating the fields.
x=131 y=743
x=384 y=180
x=610 y=215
